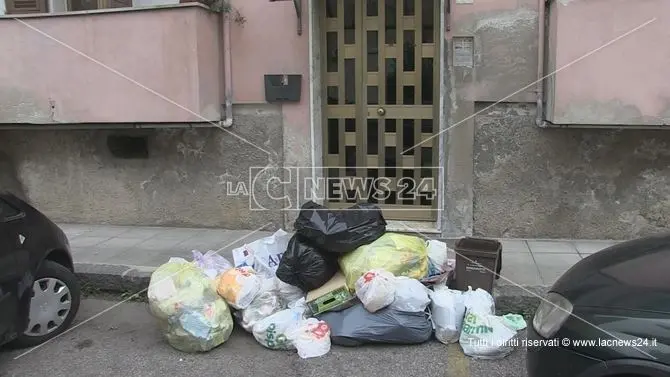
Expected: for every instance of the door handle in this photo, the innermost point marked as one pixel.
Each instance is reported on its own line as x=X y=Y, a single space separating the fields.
x=381 y=112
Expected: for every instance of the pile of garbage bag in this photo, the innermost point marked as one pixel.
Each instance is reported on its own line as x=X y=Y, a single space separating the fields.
x=341 y=278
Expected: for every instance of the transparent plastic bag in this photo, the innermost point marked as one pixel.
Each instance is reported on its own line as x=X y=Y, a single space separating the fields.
x=264 y=305
x=175 y=284
x=190 y=314
x=211 y=263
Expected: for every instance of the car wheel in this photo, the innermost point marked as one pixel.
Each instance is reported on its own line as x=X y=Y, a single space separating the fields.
x=53 y=306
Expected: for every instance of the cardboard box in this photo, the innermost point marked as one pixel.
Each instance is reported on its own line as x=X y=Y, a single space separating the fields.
x=332 y=296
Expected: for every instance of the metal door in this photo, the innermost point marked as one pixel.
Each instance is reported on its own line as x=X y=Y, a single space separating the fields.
x=381 y=90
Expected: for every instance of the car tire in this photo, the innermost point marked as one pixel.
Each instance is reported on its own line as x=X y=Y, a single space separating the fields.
x=53 y=270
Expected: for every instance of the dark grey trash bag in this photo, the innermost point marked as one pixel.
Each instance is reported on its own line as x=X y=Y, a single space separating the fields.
x=356 y=326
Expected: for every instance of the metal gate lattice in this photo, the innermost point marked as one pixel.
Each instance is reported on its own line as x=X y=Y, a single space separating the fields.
x=381 y=90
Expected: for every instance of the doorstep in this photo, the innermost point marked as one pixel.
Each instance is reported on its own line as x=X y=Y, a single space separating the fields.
x=121 y=258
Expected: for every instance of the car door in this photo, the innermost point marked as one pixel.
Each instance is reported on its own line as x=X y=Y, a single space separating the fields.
x=10 y=273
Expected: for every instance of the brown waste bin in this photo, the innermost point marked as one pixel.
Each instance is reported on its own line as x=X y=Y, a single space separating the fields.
x=476 y=259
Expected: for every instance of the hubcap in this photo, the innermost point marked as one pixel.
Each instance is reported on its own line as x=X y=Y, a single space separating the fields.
x=49 y=306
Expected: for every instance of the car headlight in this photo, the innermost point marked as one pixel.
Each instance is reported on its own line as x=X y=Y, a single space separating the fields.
x=551 y=314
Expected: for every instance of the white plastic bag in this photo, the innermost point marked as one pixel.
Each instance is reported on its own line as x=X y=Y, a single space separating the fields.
x=437 y=252
x=239 y=286
x=264 y=254
x=447 y=311
x=376 y=289
x=273 y=332
x=311 y=338
x=410 y=295
x=211 y=262
x=486 y=336
x=479 y=299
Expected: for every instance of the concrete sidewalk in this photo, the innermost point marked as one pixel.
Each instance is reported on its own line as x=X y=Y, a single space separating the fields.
x=120 y=257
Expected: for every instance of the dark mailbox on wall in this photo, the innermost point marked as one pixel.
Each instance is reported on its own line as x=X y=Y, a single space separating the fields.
x=282 y=88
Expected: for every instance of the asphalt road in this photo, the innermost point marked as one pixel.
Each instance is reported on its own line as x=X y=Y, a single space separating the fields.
x=124 y=341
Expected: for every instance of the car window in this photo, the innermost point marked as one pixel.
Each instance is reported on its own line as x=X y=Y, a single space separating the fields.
x=7 y=211
x=647 y=270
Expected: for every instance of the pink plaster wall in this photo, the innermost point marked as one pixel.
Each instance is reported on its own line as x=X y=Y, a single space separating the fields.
x=505 y=56
x=623 y=83
x=461 y=14
x=268 y=43
x=173 y=51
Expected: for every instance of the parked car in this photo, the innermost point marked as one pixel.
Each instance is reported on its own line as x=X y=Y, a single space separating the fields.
x=39 y=292
x=609 y=315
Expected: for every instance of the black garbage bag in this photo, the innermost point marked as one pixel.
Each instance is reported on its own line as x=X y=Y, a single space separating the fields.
x=340 y=231
x=356 y=326
x=305 y=266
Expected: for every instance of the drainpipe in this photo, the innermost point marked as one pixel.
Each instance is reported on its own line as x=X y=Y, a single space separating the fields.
x=227 y=72
x=539 y=94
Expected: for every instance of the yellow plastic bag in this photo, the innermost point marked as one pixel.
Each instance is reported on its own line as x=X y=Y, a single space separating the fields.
x=190 y=314
x=396 y=253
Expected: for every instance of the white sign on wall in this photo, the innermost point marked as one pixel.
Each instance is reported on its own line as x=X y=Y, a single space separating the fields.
x=463 y=49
